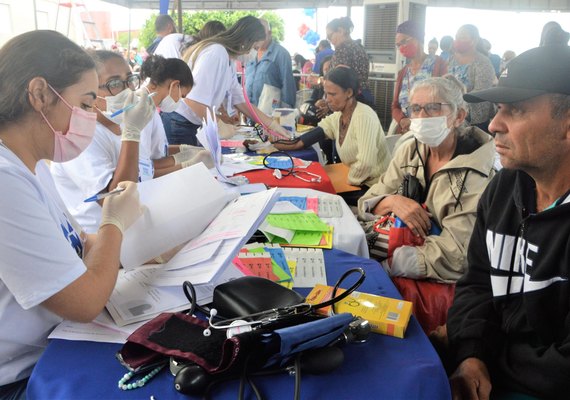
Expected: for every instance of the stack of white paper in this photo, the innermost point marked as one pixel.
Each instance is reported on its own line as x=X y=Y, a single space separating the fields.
x=177 y=208
x=145 y=292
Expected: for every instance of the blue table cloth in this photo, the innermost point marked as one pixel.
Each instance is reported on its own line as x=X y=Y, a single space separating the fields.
x=385 y=367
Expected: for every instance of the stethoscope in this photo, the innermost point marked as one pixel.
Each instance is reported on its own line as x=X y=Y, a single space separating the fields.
x=250 y=322
x=279 y=173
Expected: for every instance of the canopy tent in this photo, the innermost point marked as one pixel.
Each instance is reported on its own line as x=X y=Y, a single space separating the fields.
x=513 y=5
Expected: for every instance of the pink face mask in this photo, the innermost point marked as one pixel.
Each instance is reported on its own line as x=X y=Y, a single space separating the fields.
x=409 y=50
x=82 y=125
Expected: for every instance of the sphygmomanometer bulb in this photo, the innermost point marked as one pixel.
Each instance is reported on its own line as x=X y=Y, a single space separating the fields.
x=192 y=379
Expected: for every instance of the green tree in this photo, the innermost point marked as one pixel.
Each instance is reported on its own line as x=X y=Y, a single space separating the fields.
x=192 y=22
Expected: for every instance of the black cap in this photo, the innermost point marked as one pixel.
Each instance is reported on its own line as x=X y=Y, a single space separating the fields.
x=535 y=72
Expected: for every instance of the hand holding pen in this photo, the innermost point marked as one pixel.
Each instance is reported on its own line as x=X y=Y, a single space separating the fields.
x=137 y=115
x=128 y=107
x=101 y=196
x=122 y=208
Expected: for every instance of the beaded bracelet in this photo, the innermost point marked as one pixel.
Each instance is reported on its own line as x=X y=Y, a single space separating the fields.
x=123 y=385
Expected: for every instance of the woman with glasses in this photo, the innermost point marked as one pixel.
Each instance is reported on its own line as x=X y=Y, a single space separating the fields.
x=354 y=127
x=212 y=62
x=113 y=156
x=49 y=270
x=420 y=66
x=452 y=164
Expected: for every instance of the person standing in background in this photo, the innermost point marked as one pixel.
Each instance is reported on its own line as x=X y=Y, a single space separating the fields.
x=163 y=25
x=446 y=44
x=322 y=51
x=420 y=66
x=212 y=62
x=432 y=47
x=475 y=71
x=350 y=53
x=305 y=67
x=485 y=48
x=271 y=67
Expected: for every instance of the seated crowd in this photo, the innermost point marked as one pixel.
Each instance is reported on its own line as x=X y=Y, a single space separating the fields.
x=480 y=252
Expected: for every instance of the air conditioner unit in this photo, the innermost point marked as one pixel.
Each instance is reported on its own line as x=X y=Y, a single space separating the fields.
x=381 y=18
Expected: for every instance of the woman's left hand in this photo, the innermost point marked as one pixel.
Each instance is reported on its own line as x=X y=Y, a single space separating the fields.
x=411 y=213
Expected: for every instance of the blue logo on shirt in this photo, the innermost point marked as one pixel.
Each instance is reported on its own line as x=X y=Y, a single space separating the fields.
x=73 y=238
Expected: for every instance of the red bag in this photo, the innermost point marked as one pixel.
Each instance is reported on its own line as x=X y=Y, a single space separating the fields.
x=389 y=234
x=431 y=300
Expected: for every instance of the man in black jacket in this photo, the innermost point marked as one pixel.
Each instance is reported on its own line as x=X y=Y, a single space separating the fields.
x=509 y=327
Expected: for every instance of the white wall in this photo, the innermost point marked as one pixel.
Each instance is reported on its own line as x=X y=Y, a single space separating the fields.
x=17 y=16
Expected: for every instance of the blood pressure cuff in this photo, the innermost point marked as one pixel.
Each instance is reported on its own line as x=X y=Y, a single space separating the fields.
x=251 y=294
x=313 y=136
x=182 y=336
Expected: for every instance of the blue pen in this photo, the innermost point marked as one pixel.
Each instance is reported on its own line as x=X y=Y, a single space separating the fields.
x=101 y=196
x=122 y=110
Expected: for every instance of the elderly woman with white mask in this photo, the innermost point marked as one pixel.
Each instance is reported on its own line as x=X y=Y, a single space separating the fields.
x=453 y=164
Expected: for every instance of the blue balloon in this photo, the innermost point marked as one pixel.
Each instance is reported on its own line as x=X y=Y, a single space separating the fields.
x=310 y=12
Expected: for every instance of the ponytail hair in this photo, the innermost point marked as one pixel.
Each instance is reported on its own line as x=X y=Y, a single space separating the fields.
x=160 y=69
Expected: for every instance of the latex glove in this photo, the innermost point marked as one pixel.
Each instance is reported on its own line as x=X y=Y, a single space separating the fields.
x=275 y=127
x=186 y=153
x=203 y=156
x=122 y=209
x=136 y=118
x=225 y=131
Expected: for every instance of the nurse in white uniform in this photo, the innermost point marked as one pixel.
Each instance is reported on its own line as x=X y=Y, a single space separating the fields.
x=170 y=80
x=49 y=270
x=113 y=156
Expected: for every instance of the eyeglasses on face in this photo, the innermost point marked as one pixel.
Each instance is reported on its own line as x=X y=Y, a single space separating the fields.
x=116 y=85
x=431 y=109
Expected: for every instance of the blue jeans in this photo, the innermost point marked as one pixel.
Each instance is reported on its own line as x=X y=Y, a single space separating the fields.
x=178 y=129
x=14 y=391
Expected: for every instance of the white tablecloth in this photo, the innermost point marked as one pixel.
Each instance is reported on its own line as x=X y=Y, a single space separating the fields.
x=348 y=234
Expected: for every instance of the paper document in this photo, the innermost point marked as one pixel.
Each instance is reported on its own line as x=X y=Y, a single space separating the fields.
x=178 y=207
x=102 y=329
x=208 y=136
x=310 y=266
x=135 y=299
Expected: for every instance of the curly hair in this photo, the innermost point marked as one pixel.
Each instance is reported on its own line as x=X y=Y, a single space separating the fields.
x=160 y=69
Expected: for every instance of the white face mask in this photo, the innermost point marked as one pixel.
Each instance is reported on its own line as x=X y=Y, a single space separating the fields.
x=246 y=58
x=430 y=131
x=115 y=103
x=168 y=104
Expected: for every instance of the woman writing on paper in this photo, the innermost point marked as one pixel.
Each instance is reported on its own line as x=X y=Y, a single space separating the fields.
x=212 y=63
x=113 y=155
x=453 y=164
x=356 y=130
x=49 y=271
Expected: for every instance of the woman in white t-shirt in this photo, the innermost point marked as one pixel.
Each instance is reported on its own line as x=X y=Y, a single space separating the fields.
x=50 y=270
x=113 y=155
x=170 y=79
x=213 y=67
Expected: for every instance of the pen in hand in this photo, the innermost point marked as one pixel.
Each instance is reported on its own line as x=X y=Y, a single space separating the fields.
x=122 y=110
x=101 y=196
